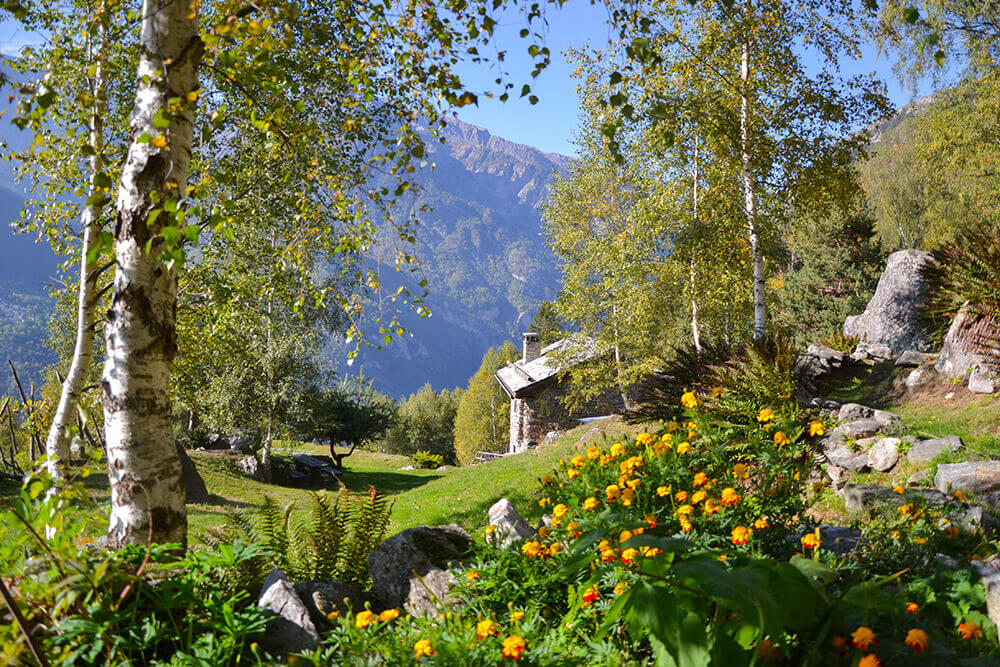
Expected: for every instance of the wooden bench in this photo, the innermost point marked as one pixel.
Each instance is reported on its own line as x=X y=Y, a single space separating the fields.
x=486 y=457
x=309 y=467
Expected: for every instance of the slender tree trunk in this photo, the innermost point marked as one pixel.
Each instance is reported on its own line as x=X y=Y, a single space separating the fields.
x=750 y=206
x=695 y=326
x=144 y=470
x=58 y=440
x=265 y=454
x=618 y=361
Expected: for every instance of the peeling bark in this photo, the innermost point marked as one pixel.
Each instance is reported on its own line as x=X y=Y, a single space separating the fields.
x=144 y=471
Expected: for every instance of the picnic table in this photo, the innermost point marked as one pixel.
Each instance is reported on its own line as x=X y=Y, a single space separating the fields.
x=310 y=468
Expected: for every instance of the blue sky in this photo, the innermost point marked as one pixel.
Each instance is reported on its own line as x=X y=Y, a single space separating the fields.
x=548 y=125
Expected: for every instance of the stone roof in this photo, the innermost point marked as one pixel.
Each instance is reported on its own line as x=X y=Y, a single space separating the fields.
x=520 y=379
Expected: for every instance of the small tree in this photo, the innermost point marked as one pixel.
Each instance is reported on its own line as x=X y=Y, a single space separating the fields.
x=426 y=423
x=482 y=422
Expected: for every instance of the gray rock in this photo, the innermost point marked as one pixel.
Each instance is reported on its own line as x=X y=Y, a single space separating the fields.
x=510 y=525
x=251 y=467
x=324 y=597
x=244 y=442
x=838 y=476
x=551 y=437
x=974 y=519
x=920 y=478
x=890 y=421
x=845 y=458
x=441 y=469
x=920 y=376
x=911 y=358
x=837 y=539
x=884 y=454
x=291 y=630
x=975 y=477
x=411 y=569
x=989 y=574
x=862 y=496
x=892 y=317
x=195 y=490
x=862 y=428
x=408 y=468
x=923 y=451
x=854 y=411
x=982 y=379
x=955 y=361
x=947 y=561
x=873 y=351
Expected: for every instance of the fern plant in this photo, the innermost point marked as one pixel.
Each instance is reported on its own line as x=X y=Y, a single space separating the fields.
x=332 y=541
x=764 y=375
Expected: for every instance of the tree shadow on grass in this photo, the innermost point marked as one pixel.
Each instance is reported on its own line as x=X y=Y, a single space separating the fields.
x=875 y=386
x=385 y=482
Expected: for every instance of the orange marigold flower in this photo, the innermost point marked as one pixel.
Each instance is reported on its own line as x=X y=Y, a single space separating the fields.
x=390 y=614
x=645 y=439
x=761 y=524
x=686 y=524
x=612 y=493
x=364 y=619
x=712 y=506
x=781 y=439
x=870 y=660
x=629 y=555
x=740 y=535
x=717 y=391
x=531 y=548
x=593 y=452
x=650 y=520
x=513 y=646
x=765 y=416
x=730 y=497
x=811 y=540
x=917 y=640
x=544 y=501
x=591 y=503
x=840 y=642
x=578 y=461
x=698 y=496
x=560 y=510
x=970 y=630
x=897 y=489
x=912 y=608
x=547 y=479
x=590 y=596
x=684 y=509
x=906 y=510
x=422 y=648
x=572 y=473
x=863 y=637
x=490 y=528
x=700 y=478
x=471 y=575
x=608 y=555
x=621 y=587
x=816 y=428
x=485 y=628
x=662 y=491
x=680 y=496
x=767 y=651
x=628 y=497
x=617 y=450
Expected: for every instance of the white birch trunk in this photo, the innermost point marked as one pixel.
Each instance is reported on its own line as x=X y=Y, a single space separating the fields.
x=60 y=431
x=750 y=205
x=695 y=326
x=144 y=471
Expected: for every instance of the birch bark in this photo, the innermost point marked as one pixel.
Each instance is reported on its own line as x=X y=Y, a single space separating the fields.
x=750 y=201
x=144 y=471
x=58 y=439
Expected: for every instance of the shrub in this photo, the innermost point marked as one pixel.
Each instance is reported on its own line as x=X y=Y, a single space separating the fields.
x=427 y=460
x=333 y=543
x=426 y=421
x=762 y=375
x=684 y=368
x=482 y=422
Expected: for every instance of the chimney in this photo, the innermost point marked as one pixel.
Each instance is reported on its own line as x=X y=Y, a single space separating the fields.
x=532 y=347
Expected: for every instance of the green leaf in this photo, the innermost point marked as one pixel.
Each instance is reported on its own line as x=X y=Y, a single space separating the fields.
x=911 y=14
x=160 y=120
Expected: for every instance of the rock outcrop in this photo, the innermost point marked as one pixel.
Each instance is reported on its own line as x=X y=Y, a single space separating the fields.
x=510 y=526
x=892 y=317
x=291 y=629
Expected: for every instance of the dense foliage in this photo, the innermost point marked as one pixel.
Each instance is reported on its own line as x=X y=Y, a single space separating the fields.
x=425 y=422
x=482 y=422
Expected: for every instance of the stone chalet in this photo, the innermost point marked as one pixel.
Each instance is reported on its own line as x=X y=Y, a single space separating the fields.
x=534 y=384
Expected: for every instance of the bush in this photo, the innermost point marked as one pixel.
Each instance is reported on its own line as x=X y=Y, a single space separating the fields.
x=427 y=460
x=482 y=422
x=762 y=375
x=426 y=421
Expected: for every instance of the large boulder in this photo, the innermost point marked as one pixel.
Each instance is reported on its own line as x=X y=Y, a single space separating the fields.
x=892 y=317
x=983 y=379
x=324 y=597
x=863 y=496
x=195 y=490
x=290 y=630
x=924 y=451
x=509 y=525
x=955 y=361
x=975 y=477
x=989 y=572
x=884 y=454
x=411 y=569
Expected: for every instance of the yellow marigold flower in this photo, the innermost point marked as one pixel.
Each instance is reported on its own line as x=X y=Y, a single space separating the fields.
x=625 y=536
x=612 y=493
x=572 y=473
x=364 y=619
x=650 y=520
x=686 y=524
x=683 y=447
x=544 y=501
x=422 y=648
x=590 y=596
x=543 y=532
x=919 y=540
x=698 y=496
x=485 y=628
x=604 y=459
x=621 y=587
x=897 y=489
x=740 y=535
x=730 y=497
x=700 y=478
x=471 y=575
x=645 y=439
x=896 y=534
x=906 y=509
x=810 y=541
x=958 y=495
x=741 y=471
x=684 y=510
x=765 y=416
x=591 y=503
x=490 y=529
x=816 y=428
x=573 y=525
x=780 y=439
x=917 y=640
x=547 y=479
x=912 y=608
x=560 y=510
x=712 y=505
x=689 y=400
x=662 y=491
x=629 y=555
x=761 y=524
x=513 y=646
x=617 y=450
x=393 y=614
x=516 y=616
x=332 y=615
x=531 y=548
x=634 y=483
x=608 y=555
x=555 y=548
x=680 y=496
x=863 y=637
x=593 y=452
x=578 y=461
x=870 y=660
x=970 y=630
x=650 y=552
x=628 y=497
